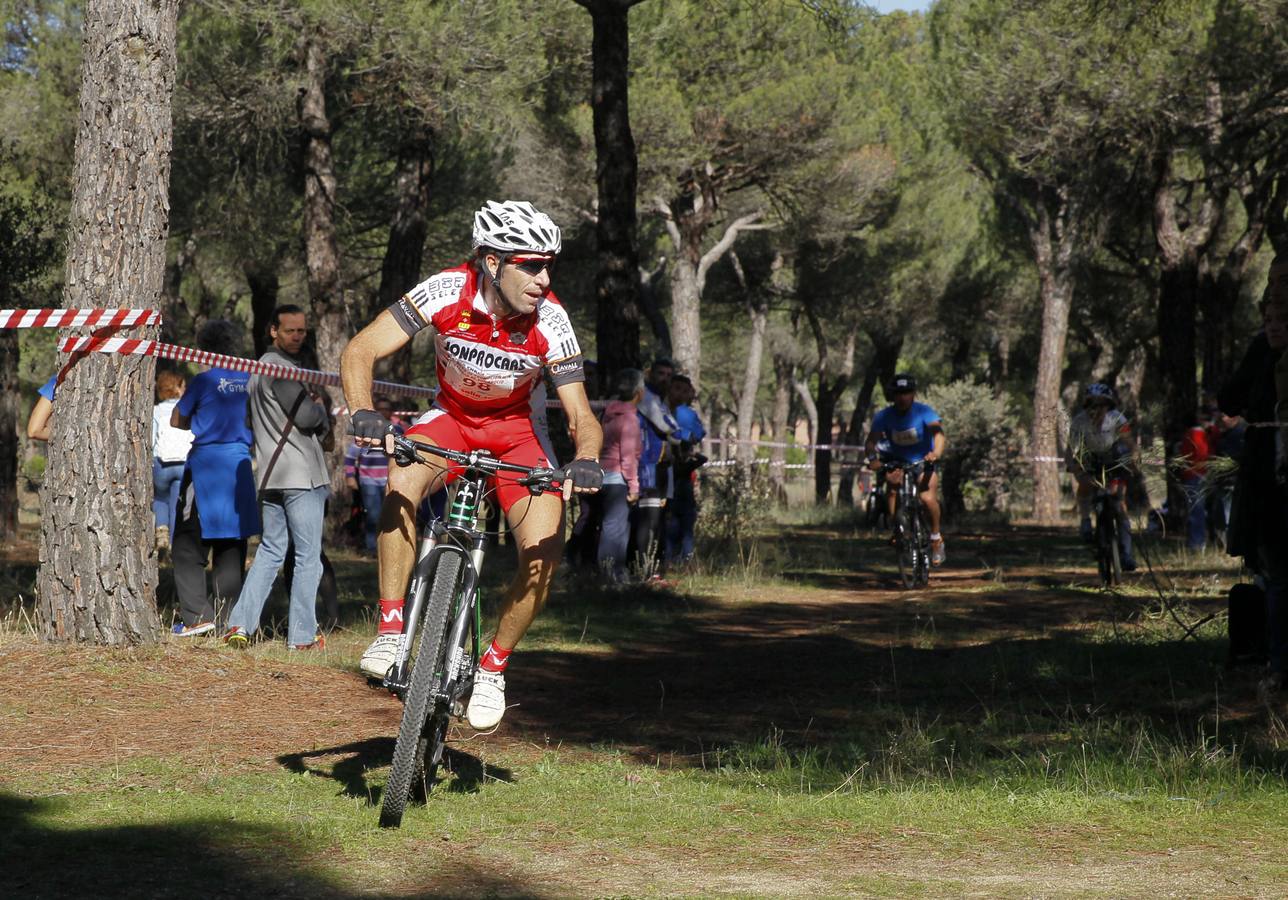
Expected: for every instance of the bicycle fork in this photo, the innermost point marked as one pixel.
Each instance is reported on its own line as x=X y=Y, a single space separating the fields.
x=396 y=679
x=460 y=664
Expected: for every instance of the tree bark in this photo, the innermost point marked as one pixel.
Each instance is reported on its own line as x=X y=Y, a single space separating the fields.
x=880 y=371
x=405 y=249
x=651 y=309
x=264 y=287
x=758 y=313
x=321 y=247
x=688 y=218
x=98 y=572
x=10 y=399
x=617 y=318
x=784 y=373
x=1052 y=235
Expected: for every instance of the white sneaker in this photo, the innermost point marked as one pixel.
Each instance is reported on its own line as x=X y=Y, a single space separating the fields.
x=937 y=553
x=380 y=656
x=487 y=702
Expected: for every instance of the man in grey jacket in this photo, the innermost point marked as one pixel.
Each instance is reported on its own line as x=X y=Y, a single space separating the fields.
x=290 y=425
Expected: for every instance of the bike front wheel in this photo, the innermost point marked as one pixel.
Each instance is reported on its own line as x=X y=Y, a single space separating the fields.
x=905 y=548
x=1107 y=553
x=423 y=730
x=921 y=539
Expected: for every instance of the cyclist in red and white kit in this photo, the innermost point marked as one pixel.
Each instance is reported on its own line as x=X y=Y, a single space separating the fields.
x=498 y=328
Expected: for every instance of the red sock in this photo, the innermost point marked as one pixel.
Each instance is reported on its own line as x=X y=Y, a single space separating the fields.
x=391 y=620
x=495 y=659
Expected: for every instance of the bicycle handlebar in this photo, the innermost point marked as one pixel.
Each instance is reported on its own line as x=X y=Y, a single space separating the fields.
x=895 y=465
x=537 y=479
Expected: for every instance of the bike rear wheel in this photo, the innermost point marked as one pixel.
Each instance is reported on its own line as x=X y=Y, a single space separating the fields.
x=922 y=543
x=905 y=548
x=419 y=733
x=1107 y=552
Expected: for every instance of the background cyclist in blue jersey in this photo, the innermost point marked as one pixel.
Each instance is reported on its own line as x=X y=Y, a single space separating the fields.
x=910 y=432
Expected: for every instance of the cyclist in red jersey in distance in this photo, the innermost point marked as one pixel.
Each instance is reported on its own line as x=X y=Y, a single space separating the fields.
x=499 y=328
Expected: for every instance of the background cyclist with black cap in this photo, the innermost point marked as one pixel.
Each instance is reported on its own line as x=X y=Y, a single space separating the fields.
x=914 y=434
x=498 y=328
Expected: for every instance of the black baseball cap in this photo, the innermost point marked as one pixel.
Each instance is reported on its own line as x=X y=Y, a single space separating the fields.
x=903 y=383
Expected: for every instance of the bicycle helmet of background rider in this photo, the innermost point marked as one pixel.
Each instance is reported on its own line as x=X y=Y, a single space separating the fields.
x=1099 y=393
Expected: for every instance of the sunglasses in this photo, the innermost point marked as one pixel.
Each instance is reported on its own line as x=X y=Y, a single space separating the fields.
x=535 y=266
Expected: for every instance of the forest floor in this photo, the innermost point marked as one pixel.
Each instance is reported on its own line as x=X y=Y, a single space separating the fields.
x=791 y=724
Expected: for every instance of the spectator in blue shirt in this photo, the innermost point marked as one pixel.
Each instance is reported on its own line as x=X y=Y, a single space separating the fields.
x=916 y=436
x=38 y=421
x=218 y=509
x=682 y=511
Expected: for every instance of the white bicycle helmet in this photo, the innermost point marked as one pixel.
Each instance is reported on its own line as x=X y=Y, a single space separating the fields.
x=1099 y=391
x=515 y=226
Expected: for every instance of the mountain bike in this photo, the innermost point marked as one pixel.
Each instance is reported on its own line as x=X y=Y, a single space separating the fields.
x=1107 y=526
x=911 y=524
x=443 y=605
x=876 y=514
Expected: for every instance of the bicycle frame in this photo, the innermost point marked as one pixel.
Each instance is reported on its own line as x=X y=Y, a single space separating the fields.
x=461 y=534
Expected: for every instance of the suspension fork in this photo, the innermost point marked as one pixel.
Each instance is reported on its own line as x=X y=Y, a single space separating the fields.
x=468 y=612
x=427 y=554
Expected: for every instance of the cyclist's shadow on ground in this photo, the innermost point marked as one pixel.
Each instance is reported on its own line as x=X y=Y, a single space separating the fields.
x=468 y=773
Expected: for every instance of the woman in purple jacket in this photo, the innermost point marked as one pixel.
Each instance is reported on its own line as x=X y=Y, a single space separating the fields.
x=620 y=459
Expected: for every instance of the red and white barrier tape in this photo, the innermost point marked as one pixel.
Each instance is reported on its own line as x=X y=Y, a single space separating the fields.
x=71 y=318
x=133 y=347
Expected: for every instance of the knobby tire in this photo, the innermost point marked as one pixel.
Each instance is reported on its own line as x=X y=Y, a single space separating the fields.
x=923 y=548
x=416 y=729
x=905 y=547
x=1107 y=557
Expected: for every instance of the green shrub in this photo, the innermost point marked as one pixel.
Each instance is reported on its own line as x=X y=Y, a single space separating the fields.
x=985 y=445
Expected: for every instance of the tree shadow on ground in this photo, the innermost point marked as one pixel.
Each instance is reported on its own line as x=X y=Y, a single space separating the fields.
x=196 y=857
x=1018 y=667
x=468 y=772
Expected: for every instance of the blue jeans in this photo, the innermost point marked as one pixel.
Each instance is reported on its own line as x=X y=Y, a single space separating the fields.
x=373 y=498
x=614 y=532
x=165 y=491
x=289 y=516
x=682 y=516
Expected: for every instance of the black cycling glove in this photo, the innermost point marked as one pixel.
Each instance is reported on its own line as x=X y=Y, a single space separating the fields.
x=585 y=473
x=367 y=423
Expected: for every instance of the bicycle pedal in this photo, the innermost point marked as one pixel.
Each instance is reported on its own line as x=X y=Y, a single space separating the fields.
x=458 y=709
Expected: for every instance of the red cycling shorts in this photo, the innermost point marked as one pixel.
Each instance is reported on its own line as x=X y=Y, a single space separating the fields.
x=511 y=440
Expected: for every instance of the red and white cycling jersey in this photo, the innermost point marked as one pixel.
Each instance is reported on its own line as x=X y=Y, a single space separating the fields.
x=488 y=367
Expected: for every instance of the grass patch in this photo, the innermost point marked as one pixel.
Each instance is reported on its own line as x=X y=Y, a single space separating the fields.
x=1010 y=731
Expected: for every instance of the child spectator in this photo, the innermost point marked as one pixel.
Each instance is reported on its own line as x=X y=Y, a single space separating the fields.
x=170 y=448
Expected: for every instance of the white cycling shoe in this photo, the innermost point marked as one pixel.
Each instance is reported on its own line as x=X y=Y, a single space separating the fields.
x=380 y=656
x=487 y=702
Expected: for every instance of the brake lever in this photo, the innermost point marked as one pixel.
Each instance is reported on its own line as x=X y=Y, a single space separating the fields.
x=539 y=480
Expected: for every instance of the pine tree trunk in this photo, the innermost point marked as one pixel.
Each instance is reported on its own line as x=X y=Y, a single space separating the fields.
x=321 y=247
x=264 y=287
x=330 y=318
x=686 y=318
x=880 y=370
x=758 y=312
x=784 y=371
x=617 y=317
x=405 y=249
x=1052 y=248
x=10 y=398
x=98 y=572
